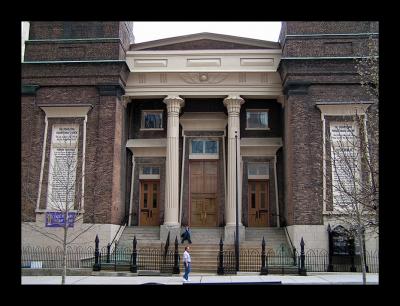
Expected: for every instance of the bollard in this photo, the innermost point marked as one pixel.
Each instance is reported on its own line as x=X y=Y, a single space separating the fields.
x=96 y=266
x=264 y=268
x=176 y=269
x=133 y=267
x=302 y=270
x=220 y=270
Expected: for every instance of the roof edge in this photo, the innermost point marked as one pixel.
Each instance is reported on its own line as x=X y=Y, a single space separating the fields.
x=205 y=35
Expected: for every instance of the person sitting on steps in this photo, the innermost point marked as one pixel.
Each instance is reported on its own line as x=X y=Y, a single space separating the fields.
x=186 y=235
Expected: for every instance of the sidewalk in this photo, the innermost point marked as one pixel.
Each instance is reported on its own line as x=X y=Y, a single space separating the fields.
x=208 y=279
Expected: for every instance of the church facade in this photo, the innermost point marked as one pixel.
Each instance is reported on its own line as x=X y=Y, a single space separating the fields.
x=186 y=130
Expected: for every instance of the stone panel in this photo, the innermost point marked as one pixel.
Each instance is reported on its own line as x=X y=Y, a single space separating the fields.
x=46 y=168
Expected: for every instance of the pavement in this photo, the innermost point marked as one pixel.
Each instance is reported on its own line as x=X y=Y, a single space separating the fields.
x=209 y=279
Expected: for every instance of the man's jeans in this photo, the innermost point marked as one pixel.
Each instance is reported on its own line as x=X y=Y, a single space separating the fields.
x=187 y=271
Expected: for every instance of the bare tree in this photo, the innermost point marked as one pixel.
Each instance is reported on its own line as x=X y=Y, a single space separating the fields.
x=65 y=196
x=354 y=160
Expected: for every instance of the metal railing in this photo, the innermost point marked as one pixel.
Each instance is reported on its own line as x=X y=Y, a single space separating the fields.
x=52 y=258
x=317 y=260
x=121 y=259
x=156 y=259
x=282 y=261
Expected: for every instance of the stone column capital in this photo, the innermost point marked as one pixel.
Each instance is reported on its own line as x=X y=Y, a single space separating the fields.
x=233 y=103
x=174 y=104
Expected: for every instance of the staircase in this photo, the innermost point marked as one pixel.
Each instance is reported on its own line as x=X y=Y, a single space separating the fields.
x=204 y=248
x=145 y=236
x=205 y=244
x=274 y=237
x=276 y=244
x=207 y=235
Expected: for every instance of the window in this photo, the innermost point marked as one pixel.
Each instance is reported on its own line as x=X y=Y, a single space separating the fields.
x=257 y=119
x=204 y=146
x=152 y=120
x=149 y=172
x=258 y=170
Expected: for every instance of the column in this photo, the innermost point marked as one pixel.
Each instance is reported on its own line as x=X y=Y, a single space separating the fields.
x=233 y=104
x=171 y=211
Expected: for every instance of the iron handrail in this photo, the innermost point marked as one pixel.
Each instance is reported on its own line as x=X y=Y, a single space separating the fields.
x=290 y=240
x=124 y=223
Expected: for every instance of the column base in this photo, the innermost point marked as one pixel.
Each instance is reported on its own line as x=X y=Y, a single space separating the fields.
x=173 y=229
x=229 y=234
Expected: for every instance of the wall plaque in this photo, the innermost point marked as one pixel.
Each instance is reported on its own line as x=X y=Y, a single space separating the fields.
x=62 y=167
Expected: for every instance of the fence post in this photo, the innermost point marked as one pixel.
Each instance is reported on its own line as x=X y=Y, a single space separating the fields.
x=134 y=256
x=365 y=252
x=220 y=270
x=302 y=270
x=108 y=252
x=96 y=266
x=352 y=252
x=176 y=269
x=330 y=245
x=264 y=268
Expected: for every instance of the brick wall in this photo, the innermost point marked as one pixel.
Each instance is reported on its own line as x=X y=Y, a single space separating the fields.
x=95 y=83
x=78 y=40
x=306 y=82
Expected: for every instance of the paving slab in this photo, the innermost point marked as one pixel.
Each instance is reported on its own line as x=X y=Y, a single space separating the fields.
x=198 y=279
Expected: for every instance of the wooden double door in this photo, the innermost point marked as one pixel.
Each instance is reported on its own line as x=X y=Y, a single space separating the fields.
x=149 y=203
x=203 y=193
x=259 y=212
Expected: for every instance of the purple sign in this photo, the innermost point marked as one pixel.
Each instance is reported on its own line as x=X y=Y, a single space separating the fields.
x=56 y=219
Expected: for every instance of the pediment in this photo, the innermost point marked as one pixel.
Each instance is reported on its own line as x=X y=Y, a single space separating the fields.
x=205 y=41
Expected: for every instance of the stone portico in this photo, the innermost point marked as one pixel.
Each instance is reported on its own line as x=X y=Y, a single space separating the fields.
x=231 y=76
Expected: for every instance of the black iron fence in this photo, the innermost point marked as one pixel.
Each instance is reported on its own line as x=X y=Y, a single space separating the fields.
x=120 y=259
x=284 y=261
x=250 y=260
x=52 y=258
x=168 y=261
x=317 y=260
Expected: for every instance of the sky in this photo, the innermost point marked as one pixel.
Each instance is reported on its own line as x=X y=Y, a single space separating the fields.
x=147 y=31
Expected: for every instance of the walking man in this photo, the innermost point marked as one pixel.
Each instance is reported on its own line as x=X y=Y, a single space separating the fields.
x=186 y=263
x=186 y=235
